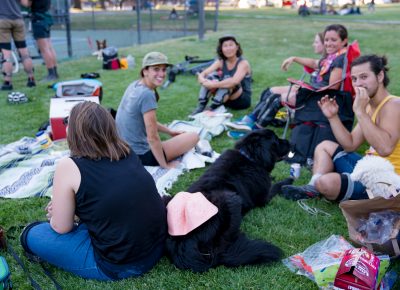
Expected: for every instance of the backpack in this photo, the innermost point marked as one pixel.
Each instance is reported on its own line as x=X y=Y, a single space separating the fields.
x=5 y=275
x=110 y=58
x=311 y=127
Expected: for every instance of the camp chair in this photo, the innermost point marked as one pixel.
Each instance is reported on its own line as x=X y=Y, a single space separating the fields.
x=312 y=125
x=353 y=51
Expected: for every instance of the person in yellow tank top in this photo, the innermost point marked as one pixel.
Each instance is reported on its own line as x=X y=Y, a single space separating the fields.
x=378 y=124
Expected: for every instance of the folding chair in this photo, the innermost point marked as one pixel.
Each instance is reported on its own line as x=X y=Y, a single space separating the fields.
x=307 y=111
x=353 y=51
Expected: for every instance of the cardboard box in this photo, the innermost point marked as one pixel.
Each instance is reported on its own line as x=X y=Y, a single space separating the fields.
x=358 y=270
x=59 y=109
x=355 y=210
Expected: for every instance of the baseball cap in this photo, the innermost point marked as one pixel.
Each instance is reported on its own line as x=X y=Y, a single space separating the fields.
x=155 y=58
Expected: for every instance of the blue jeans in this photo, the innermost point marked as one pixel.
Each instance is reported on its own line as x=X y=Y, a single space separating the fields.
x=74 y=253
x=344 y=163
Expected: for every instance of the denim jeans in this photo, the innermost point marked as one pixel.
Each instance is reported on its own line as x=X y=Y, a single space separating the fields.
x=74 y=253
x=344 y=163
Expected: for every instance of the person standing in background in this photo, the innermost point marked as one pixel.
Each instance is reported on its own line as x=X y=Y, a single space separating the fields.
x=41 y=24
x=12 y=28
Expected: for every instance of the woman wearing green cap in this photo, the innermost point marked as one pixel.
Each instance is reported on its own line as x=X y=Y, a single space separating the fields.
x=137 y=121
x=228 y=79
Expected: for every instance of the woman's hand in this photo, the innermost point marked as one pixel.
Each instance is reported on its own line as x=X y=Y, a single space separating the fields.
x=49 y=209
x=172 y=164
x=361 y=101
x=173 y=133
x=287 y=63
x=328 y=106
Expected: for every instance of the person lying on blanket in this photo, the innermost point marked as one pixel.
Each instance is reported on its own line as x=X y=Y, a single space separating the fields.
x=328 y=71
x=122 y=227
x=378 y=124
x=137 y=120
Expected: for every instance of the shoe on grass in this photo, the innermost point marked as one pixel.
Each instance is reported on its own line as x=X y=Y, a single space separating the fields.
x=299 y=192
x=7 y=86
x=200 y=108
x=240 y=125
x=49 y=78
x=31 y=83
x=236 y=134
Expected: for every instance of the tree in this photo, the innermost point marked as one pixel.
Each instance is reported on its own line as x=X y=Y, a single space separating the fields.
x=77 y=4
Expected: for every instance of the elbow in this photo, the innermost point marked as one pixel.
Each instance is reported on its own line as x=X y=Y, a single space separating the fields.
x=384 y=152
x=60 y=229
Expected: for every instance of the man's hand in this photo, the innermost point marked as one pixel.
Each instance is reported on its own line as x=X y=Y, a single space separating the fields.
x=328 y=106
x=361 y=101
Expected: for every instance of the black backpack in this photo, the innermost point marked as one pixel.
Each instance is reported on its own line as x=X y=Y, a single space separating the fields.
x=311 y=127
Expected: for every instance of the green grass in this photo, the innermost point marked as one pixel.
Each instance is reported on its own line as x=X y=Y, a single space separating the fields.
x=266 y=42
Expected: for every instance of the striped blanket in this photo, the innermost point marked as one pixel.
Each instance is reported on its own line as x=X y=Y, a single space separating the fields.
x=27 y=171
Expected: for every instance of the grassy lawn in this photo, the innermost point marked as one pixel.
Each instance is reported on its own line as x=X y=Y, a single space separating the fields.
x=266 y=41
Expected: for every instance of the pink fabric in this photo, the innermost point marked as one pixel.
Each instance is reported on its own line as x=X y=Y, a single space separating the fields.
x=187 y=211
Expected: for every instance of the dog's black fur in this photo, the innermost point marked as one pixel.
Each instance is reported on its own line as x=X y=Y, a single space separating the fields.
x=238 y=181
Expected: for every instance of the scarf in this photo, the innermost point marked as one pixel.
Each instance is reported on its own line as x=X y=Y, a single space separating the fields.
x=327 y=62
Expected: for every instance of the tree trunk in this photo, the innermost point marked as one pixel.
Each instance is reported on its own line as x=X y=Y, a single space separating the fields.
x=77 y=4
x=103 y=4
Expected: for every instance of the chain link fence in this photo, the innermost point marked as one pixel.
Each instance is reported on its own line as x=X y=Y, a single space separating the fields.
x=74 y=32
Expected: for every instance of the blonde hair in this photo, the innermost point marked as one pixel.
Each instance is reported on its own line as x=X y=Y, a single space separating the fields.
x=92 y=133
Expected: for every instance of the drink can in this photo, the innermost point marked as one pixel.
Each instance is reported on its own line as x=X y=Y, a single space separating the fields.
x=295 y=170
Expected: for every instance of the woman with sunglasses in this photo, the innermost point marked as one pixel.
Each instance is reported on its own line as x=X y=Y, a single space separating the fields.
x=137 y=120
x=122 y=219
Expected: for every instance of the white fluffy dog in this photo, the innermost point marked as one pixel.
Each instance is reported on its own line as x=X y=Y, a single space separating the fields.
x=378 y=176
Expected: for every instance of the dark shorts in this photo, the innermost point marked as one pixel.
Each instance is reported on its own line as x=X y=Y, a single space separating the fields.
x=148 y=159
x=243 y=102
x=344 y=163
x=41 y=29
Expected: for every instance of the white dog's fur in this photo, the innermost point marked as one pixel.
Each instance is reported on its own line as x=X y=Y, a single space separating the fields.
x=378 y=176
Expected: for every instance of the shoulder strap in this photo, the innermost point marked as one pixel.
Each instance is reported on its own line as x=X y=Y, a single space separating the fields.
x=373 y=118
x=34 y=284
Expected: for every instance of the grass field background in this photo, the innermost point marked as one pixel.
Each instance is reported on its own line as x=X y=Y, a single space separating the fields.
x=267 y=37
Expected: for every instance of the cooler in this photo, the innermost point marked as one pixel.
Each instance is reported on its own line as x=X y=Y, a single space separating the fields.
x=59 y=109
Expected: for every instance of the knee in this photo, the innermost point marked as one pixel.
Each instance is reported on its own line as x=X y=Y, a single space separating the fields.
x=322 y=184
x=326 y=146
x=193 y=137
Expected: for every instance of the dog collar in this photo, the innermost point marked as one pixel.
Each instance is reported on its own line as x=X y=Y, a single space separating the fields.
x=241 y=151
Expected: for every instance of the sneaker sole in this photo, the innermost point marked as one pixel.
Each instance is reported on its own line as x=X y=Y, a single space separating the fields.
x=238 y=126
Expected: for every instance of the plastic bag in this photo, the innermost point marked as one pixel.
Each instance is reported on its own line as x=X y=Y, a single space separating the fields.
x=320 y=261
x=378 y=227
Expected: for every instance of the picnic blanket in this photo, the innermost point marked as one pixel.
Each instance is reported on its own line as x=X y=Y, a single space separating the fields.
x=26 y=170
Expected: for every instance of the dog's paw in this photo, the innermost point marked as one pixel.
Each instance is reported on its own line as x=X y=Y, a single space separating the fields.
x=277 y=187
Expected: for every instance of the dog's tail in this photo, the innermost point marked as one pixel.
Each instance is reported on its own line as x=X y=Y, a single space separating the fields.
x=247 y=252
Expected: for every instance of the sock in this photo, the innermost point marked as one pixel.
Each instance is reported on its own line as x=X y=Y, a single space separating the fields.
x=314 y=179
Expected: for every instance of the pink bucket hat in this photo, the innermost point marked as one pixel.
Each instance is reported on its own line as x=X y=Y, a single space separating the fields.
x=187 y=211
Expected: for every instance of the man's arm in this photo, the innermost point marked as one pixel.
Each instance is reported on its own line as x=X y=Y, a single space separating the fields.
x=350 y=141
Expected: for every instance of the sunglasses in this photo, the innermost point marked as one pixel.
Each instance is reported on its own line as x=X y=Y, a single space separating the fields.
x=65 y=121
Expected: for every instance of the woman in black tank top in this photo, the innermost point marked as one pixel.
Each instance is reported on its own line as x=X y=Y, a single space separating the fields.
x=122 y=226
x=227 y=80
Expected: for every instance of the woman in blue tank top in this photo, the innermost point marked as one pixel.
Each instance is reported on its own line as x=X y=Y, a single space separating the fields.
x=122 y=220
x=228 y=79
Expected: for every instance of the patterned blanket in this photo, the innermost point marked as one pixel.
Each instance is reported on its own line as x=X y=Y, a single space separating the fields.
x=27 y=171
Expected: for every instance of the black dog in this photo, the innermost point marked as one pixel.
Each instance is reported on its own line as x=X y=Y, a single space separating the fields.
x=238 y=181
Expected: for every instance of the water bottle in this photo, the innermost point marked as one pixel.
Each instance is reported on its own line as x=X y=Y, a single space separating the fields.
x=43 y=139
x=131 y=61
